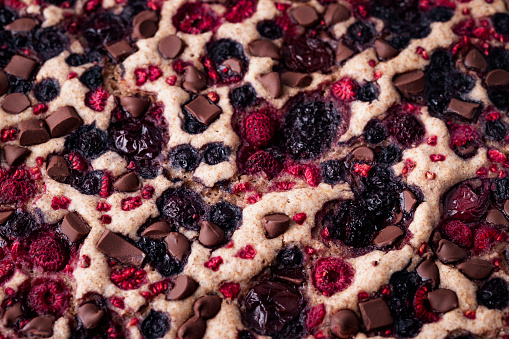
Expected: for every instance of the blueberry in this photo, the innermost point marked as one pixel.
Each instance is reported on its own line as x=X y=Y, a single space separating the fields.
x=494 y=294
x=19 y=85
x=404 y=284
x=498 y=58
x=94 y=56
x=332 y=171
x=408 y=327
x=441 y=61
x=225 y=49
x=216 y=153
x=184 y=157
x=294 y=329
x=6 y=16
x=462 y=83
x=243 y=96
x=375 y=132
x=191 y=125
x=181 y=206
x=440 y=14
x=501 y=23
x=88 y=183
x=389 y=155
x=88 y=140
x=496 y=129
x=367 y=92
x=136 y=140
x=307 y=54
x=360 y=32
x=92 y=78
x=50 y=43
x=47 y=90
x=437 y=100
x=155 y=325
x=269 y=29
x=290 y=258
x=499 y=98
x=225 y=215
x=20 y=224
x=399 y=42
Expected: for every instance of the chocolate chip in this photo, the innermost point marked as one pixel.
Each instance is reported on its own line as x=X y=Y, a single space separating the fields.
x=294 y=79
x=428 y=270
x=497 y=77
x=74 y=227
x=15 y=103
x=20 y=66
x=144 y=25
x=116 y=247
x=157 y=230
x=210 y=234
x=343 y=52
x=5 y=215
x=463 y=108
x=506 y=207
x=12 y=314
x=411 y=82
x=194 y=80
x=21 y=25
x=344 y=323
x=476 y=268
x=443 y=300
x=275 y=224
x=335 y=13
x=363 y=154
x=40 y=326
x=497 y=217
x=170 y=46
x=184 y=286
x=272 y=83
x=119 y=50
x=192 y=328
x=207 y=306
x=449 y=252
x=177 y=245
x=305 y=15
x=408 y=200
x=234 y=64
x=384 y=50
x=90 y=314
x=4 y=84
x=264 y=48
x=203 y=110
x=14 y=155
x=127 y=183
x=475 y=59
x=388 y=236
x=63 y=121
x=375 y=314
x=134 y=105
x=32 y=132
x=57 y=168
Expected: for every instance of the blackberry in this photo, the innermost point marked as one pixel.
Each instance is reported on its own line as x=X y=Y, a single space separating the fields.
x=501 y=23
x=462 y=83
x=88 y=183
x=155 y=325
x=499 y=98
x=332 y=171
x=360 y=32
x=437 y=100
x=375 y=132
x=191 y=125
x=20 y=224
x=224 y=49
x=290 y=258
x=406 y=129
x=494 y=294
x=103 y=28
x=496 y=129
x=184 y=157
x=498 y=58
x=440 y=14
x=47 y=90
x=50 y=43
x=408 y=327
x=215 y=154
x=389 y=155
x=243 y=96
x=158 y=257
x=88 y=140
x=225 y=215
x=6 y=16
x=92 y=78
x=182 y=206
x=500 y=189
x=19 y=85
x=269 y=29
x=367 y=92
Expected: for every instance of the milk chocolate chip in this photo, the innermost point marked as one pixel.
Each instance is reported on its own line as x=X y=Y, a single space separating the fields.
x=116 y=247
x=476 y=268
x=144 y=24
x=375 y=314
x=411 y=82
x=90 y=314
x=21 y=25
x=335 y=13
x=275 y=224
x=449 y=252
x=463 y=108
x=119 y=50
x=4 y=83
x=343 y=52
x=194 y=80
x=127 y=183
x=272 y=83
x=20 y=66
x=408 y=200
x=171 y=46
x=32 y=132
x=203 y=110
x=475 y=59
x=305 y=15
x=294 y=79
x=388 y=236
x=5 y=215
x=497 y=77
x=234 y=64
x=207 y=306
x=210 y=234
x=177 y=245
x=14 y=155
x=12 y=314
x=157 y=230
x=363 y=154
x=496 y=217
x=134 y=105
x=344 y=323
x=63 y=121
x=443 y=300
x=184 y=286
x=57 y=168
x=193 y=328
x=384 y=50
x=264 y=48
x=40 y=326
x=15 y=103
x=74 y=227
x=428 y=270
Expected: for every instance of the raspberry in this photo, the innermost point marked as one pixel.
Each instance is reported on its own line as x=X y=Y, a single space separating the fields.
x=6 y=270
x=194 y=18
x=230 y=290
x=96 y=99
x=299 y=218
x=345 y=89
x=240 y=10
x=458 y=232
x=262 y=161
x=105 y=185
x=147 y=192
x=484 y=238
x=48 y=296
x=129 y=204
x=8 y=134
x=461 y=135
x=312 y=175
x=362 y=170
x=421 y=308
x=128 y=278
x=437 y=157
x=248 y=252
x=258 y=129
x=496 y=156
x=48 y=253
x=117 y=302
x=332 y=275
x=141 y=75
x=315 y=316
x=16 y=186
x=214 y=263
x=78 y=163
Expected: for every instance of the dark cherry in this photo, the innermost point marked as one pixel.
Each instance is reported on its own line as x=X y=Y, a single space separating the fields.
x=103 y=28
x=88 y=140
x=306 y=54
x=467 y=201
x=269 y=29
x=440 y=14
x=406 y=129
x=50 y=43
x=243 y=96
x=155 y=325
x=20 y=224
x=224 y=49
x=216 y=153
x=225 y=215
x=496 y=129
x=361 y=32
x=76 y=59
x=47 y=90
x=184 y=157
x=494 y=294
x=182 y=206
x=136 y=140
x=88 y=183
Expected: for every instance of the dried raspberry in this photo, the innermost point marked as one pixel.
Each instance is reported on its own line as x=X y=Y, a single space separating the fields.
x=496 y=156
x=105 y=219
x=128 y=278
x=6 y=270
x=484 y=238
x=77 y=162
x=195 y=18
x=469 y=314
x=16 y=186
x=458 y=232
x=258 y=129
x=312 y=175
x=103 y=206
x=240 y=10
x=49 y=253
x=158 y=287
x=179 y=66
x=141 y=76
x=97 y=99
x=147 y=192
x=437 y=157
x=362 y=296
x=420 y=306
x=253 y=199
x=332 y=275
x=285 y=185
x=315 y=316
x=241 y=187
x=105 y=185
x=130 y=203
x=214 y=263
x=230 y=290
x=432 y=140
x=262 y=161
x=8 y=134
x=48 y=296
x=461 y=135
x=117 y=302
x=344 y=89
x=362 y=169
x=171 y=80
x=60 y=203
x=40 y=109
x=299 y=218
x=248 y=252
x=154 y=73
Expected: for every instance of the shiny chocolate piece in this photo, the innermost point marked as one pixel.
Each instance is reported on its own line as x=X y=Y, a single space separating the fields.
x=63 y=121
x=116 y=247
x=20 y=66
x=171 y=46
x=58 y=169
x=32 y=132
x=127 y=183
x=275 y=224
x=15 y=103
x=203 y=110
x=74 y=227
x=15 y=155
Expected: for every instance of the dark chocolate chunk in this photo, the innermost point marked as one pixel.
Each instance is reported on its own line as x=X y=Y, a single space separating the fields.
x=275 y=224
x=90 y=314
x=157 y=230
x=12 y=314
x=497 y=77
x=495 y=216
x=234 y=64
x=264 y=48
x=475 y=59
x=449 y=252
x=410 y=83
x=194 y=80
x=184 y=286
x=343 y=52
x=32 y=132
x=443 y=300
x=41 y=326
x=74 y=227
x=305 y=15
x=21 y=25
x=506 y=207
x=192 y=328
x=207 y=306
x=463 y=108
x=272 y=83
x=116 y=247
x=476 y=268
x=294 y=79
x=428 y=270
x=375 y=314
x=5 y=215
x=384 y=50
x=203 y=110
x=4 y=84
x=145 y=25
x=63 y=121
x=335 y=13
x=119 y=50
x=171 y=46
x=408 y=200
x=134 y=105
x=210 y=234
x=20 y=66
x=177 y=245
x=363 y=154
x=127 y=183
x=388 y=236
x=15 y=103
x=344 y=323
x=14 y=155
x=57 y=168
